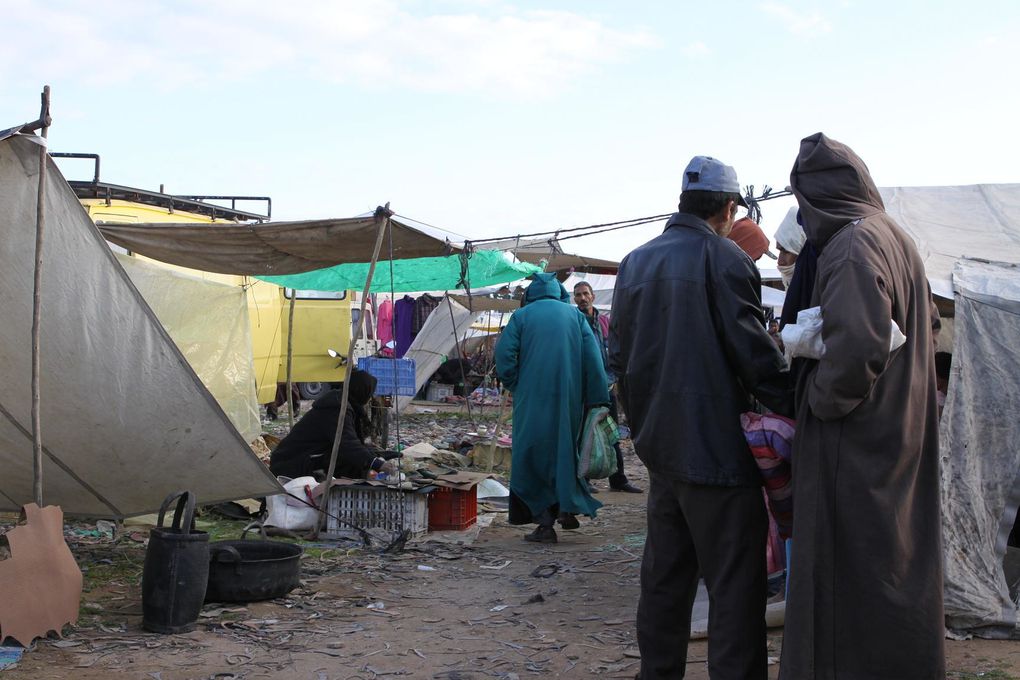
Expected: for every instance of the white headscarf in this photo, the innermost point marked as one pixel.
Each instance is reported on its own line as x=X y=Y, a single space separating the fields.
x=790 y=235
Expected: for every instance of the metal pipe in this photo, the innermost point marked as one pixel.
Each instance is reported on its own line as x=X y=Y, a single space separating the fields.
x=290 y=360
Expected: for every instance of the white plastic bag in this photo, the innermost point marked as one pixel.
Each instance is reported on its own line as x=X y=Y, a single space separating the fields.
x=290 y=513
x=804 y=338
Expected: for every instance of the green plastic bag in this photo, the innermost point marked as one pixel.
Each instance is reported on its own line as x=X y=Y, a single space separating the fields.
x=596 y=457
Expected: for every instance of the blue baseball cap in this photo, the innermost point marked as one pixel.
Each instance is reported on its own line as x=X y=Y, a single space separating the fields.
x=705 y=173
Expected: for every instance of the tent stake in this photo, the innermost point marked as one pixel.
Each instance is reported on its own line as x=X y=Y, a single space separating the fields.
x=40 y=223
x=290 y=360
x=382 y=219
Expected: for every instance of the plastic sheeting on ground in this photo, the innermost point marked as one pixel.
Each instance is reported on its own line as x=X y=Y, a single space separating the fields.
x=484 y=268
x=979 y=449
x=209 y=323
x=125 y=420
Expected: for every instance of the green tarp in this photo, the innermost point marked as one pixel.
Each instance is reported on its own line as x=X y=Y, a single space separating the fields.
x=484 y=268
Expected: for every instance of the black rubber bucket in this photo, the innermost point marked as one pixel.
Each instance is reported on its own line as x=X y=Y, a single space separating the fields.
x=251 y=570
x=176 y=570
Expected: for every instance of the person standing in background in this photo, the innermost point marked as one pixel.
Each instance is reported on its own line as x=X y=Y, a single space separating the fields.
x=549 y=359
x=584 y=298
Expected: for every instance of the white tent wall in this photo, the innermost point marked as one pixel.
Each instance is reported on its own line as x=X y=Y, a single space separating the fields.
x=603 y=286
x=975 y=221
x=208 y=322
x=979 y=449
x=125 y=420
x=436 y=340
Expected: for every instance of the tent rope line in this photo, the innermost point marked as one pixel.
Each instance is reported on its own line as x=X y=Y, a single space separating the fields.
x=766 y=195
x=59 y=463
x=13 y=502
x=552 y=232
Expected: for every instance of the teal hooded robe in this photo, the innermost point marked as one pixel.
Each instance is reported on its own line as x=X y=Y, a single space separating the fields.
x=550 y=360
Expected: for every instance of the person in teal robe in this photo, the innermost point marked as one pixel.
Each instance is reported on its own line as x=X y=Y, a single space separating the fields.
x=550 y=360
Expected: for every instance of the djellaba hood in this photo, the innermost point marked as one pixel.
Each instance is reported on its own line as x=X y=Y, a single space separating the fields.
x=545 y=286
x=833 y=187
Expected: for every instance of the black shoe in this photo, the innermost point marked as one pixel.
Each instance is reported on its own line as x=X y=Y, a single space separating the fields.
x=541 y=534
x=569 y=521
x=626 y=487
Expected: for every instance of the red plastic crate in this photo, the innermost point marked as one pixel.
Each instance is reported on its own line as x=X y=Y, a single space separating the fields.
x=452 y=509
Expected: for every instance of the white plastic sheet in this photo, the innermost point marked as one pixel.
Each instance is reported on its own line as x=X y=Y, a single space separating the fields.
x=979 y=449
x=208 y=322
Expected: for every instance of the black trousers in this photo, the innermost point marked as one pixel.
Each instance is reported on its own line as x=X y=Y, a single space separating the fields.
x=719 y=532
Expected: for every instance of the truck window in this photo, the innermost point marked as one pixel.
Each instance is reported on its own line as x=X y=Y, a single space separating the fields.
x=315 y=294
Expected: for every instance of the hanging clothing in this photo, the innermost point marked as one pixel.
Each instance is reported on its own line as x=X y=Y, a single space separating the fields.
x=384 y=328
x=866 y=572
x=403 y=313
x=549 y=359
x=423 y=306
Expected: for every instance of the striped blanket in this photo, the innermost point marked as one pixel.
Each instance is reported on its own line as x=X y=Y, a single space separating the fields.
x=770 y=438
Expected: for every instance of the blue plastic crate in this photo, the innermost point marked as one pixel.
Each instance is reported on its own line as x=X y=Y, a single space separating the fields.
x=383 y=368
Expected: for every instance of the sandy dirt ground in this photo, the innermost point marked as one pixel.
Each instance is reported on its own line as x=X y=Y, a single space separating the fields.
x=496 y=608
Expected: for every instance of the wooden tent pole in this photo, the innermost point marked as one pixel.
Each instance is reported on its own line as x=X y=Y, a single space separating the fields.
x=382 y=220
x=290 y=360
x=40 y=223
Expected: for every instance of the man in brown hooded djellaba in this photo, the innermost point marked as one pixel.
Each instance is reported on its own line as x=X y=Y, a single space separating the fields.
x=865 y=598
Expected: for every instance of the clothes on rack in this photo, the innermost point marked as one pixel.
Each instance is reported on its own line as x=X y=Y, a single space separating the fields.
x=423 y=306
x=385 y=322
x=403 y=312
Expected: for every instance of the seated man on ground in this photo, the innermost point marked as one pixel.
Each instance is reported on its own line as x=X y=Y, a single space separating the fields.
x=306 y=449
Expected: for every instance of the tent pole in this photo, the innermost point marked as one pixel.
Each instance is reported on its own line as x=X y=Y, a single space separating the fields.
x=40 y=223
x=382 y=219
x=290 y=360
x=460 y=355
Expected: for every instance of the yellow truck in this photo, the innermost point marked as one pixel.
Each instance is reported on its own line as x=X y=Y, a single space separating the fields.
x=322 y=321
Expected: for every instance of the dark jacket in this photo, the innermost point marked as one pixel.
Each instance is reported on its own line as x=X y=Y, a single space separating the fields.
x=308 y=445
x=688 y=343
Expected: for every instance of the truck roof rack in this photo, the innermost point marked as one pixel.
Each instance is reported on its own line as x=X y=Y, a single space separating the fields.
x=191 y=203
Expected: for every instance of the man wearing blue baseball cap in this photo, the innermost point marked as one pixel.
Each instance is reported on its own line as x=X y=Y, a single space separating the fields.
x=688 y=343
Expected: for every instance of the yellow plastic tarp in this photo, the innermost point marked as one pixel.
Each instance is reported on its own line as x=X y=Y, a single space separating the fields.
x=208 y=321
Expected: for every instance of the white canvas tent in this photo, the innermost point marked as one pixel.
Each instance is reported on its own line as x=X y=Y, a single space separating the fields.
x=969 y=239
x=125 y=420
x=603 y=286
x=978 y=221
x=980 y=447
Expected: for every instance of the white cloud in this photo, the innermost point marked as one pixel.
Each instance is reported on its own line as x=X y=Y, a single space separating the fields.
x=801 y=23
x=697 y=50
x=479 y=47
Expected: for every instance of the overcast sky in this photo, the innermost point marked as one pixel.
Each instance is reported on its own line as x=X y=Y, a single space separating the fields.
x=492 y=118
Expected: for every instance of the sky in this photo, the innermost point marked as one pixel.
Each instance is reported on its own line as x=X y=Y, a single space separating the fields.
x=490 y=118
